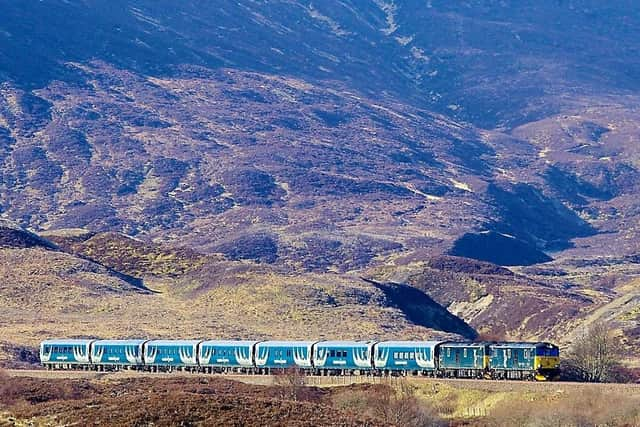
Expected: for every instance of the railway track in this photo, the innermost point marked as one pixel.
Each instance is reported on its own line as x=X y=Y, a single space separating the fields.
x=324 y=381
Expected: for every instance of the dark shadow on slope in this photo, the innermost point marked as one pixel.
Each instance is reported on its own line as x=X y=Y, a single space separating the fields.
x=15 y=237
x=422 y=310
x=498 y=249
x=529 y=215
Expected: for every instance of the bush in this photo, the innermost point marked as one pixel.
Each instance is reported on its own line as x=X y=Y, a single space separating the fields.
x=594 y=356
x=290 y=382
x=393 y=406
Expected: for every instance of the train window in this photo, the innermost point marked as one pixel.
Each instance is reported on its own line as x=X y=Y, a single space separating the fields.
x=526 y=354
x=332 y=353
x=411 y=355
x=288 y=353
x=508 y=353
x=449 y=352
x=464 y=353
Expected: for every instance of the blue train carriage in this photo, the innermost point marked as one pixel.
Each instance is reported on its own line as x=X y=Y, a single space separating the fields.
x=270 y=355
x=340 y=357
x=539 y=361
x=417 y=357
x=226 y=356
x=66 y=353
x=463 y=359
x=167 y=355
x=117 y=354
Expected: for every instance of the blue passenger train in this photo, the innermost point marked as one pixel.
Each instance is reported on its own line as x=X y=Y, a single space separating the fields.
x=497 y=360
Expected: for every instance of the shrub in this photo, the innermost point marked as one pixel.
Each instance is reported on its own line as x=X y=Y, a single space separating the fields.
x=290 y=382
x=393 y=406
x=594 y=355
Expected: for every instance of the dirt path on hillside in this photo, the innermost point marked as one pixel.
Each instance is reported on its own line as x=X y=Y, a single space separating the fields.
x=610 y=311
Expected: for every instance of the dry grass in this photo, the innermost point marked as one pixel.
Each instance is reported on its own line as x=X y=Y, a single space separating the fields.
x=397 y=405
x=592 y=407
x=49 y=294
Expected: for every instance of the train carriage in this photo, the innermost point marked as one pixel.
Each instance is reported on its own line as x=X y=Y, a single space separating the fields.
x=501 y=360
x=223 y=356
x=171 y=354
x=283 y=354
x=116 y=354
x=67 y=353
x=524 y=360
x=463 y=360
x=342 y=356
x=406 y=356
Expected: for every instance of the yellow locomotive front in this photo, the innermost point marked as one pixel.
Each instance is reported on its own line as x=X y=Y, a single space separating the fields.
x=547 y=362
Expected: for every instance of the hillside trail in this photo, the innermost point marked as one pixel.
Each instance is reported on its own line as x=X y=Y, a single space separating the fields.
x=628 y=300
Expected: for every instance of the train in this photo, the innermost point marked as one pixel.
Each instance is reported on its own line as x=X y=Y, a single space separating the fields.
x=450 y=359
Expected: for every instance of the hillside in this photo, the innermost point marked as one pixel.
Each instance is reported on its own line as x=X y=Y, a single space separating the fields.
x=47 y=293
x=359 y=142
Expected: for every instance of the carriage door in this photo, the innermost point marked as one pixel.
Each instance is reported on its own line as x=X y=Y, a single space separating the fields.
x=457 y=357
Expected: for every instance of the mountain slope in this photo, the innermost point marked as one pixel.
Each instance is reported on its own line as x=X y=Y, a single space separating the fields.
x=485 y=61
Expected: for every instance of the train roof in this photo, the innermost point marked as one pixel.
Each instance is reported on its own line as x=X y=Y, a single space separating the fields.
x=173 y=342
x=229 y=342
x=521 y=344
x=463 y=344
x=346 y=343
x=119 y=342
x=286 y=343
x=408 y=344
x=68 y=341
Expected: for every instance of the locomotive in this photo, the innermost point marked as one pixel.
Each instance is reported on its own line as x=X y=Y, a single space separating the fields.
x=489 y=360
